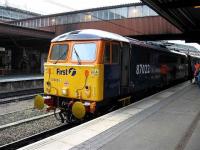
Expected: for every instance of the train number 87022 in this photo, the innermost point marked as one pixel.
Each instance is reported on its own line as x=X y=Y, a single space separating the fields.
x=143 y=69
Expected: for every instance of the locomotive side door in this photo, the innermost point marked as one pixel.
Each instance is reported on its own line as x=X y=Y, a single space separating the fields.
x=125 y=69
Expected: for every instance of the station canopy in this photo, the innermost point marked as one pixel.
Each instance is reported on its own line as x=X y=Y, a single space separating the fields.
x=184 y=14
x=14 y=36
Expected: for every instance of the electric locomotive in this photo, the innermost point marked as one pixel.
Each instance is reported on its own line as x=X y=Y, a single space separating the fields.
x=88 y=70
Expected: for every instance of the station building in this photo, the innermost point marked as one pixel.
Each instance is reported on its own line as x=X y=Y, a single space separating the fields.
x=10 y=14
x=32 y=58
x=28 y=55
x=90 y=15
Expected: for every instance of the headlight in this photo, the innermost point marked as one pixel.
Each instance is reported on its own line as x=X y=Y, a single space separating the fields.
x=65 y=91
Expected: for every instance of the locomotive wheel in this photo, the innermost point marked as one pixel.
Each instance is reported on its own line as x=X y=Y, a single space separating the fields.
x=61 y=116
x=66 y=116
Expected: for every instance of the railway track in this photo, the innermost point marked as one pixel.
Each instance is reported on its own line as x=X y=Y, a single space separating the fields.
x=20 y=132
x=25 y=121
x=36 y=137
x=19 y=95
x=17 y=98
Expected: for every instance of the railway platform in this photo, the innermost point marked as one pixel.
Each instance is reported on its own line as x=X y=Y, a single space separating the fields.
x=168 y=120
x=14 y=83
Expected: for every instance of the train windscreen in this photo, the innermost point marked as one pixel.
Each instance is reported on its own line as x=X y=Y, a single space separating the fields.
x=59 y=52
x=84 y=52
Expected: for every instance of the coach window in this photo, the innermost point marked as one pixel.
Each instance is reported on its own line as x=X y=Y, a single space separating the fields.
x=107 y=53
x=115 y=53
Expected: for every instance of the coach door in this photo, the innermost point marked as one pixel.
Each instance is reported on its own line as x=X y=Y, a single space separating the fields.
x=125 y=67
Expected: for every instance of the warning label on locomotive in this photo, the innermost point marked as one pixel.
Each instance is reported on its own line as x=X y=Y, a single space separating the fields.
x=95 y=72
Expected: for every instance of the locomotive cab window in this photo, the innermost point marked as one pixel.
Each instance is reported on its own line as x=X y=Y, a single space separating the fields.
x=107 y=53
x=111 y=53
x=59 y=52
x=84 y=52
x=115 y=53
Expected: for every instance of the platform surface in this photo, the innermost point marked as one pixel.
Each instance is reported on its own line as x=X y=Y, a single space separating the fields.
x=14 y=78
x=168 y=120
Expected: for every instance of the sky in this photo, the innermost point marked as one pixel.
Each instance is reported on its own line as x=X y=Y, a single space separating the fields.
x=58 y=6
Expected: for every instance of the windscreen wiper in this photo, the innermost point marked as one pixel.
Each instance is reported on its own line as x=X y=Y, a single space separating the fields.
x=60 y=57
x=77 y=56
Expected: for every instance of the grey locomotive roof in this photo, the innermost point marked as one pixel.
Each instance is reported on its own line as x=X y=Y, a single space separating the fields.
x=94 y=34
x=89 y=34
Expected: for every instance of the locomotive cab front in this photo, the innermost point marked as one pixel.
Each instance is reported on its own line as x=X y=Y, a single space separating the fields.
x=72 y=69
x=73 y=76
x=83 y=73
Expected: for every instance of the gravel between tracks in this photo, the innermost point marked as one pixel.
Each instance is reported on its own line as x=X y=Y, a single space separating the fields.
x=20 y=115
x=18 y=132
x=16 y=106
